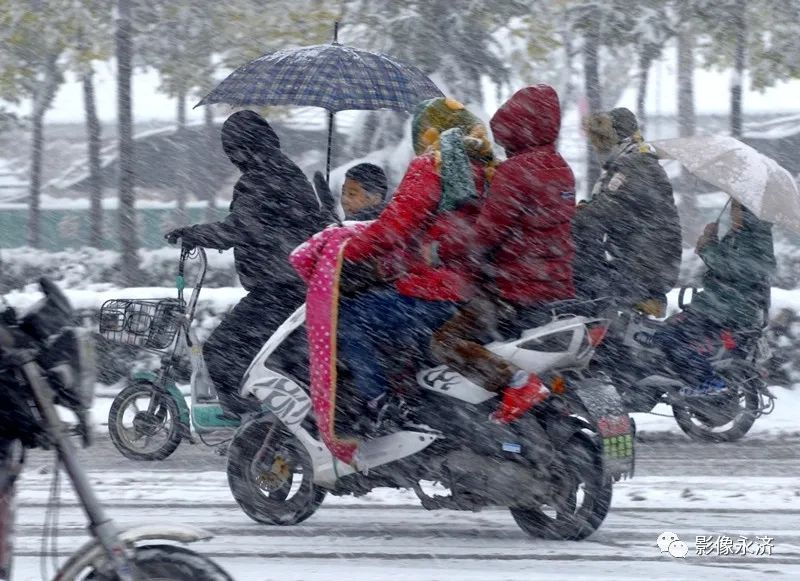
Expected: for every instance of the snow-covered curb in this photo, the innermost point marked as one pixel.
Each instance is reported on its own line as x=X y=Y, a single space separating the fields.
x=220 y=298
x=783 y=421
x=228 y=296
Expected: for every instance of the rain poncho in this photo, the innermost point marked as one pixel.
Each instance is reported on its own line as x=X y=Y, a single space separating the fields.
x=736 y=284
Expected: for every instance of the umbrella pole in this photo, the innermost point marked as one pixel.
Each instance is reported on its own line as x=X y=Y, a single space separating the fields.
x=330 y=145
x=725 y=207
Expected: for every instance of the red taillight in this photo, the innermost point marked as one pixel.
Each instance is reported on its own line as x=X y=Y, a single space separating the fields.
x=596 y=333
x=727 y=340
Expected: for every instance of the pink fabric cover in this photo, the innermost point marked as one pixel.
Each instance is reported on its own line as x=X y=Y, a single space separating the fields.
x=318 y=262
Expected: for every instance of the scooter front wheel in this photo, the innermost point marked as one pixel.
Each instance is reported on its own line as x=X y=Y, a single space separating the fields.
x=169 y=563
x=270 y=474
x=144 y=424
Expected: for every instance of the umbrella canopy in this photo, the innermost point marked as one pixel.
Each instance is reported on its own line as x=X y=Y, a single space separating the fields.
x=765 y=187
x=332 y=76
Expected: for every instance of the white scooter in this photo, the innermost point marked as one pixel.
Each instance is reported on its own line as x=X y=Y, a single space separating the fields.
x=553 y=468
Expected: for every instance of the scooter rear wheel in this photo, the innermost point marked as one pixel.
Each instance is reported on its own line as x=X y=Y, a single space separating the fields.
x=583 y=501
x=729 y=416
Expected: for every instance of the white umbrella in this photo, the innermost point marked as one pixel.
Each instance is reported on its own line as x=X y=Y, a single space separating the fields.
x=765 y=187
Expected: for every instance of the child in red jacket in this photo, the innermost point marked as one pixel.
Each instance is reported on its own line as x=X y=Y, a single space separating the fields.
x=436 y=197
x=523 y=232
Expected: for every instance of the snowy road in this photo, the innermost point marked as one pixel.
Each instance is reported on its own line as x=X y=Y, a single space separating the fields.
x=750 y=489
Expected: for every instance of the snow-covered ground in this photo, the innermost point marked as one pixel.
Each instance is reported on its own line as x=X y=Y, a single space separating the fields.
x=782 y=421
x=691 y=491
x=229 y=296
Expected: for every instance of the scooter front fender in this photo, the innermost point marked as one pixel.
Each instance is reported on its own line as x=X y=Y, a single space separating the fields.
x=93 y=554
x=173 y=391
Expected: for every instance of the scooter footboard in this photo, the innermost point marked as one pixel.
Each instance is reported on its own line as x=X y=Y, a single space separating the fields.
x=606 y=414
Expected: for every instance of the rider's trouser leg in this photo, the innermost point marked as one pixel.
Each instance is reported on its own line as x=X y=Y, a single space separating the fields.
x=242 y=333
x=384 y=321
x=456 y=344
x=678 y=340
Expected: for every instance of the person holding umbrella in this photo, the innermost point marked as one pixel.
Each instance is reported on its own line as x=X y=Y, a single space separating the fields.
x=333 y=76
x=735 y=296
x=273 y=210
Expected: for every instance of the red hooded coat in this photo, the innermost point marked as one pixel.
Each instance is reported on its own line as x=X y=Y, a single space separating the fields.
x=524 y=224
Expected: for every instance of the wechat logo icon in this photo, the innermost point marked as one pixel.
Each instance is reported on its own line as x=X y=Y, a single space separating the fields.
x=670 y=543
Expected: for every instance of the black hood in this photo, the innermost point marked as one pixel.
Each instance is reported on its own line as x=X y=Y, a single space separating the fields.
x=248 y=140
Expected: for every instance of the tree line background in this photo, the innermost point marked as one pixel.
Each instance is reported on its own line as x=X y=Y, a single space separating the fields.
x=590 y=50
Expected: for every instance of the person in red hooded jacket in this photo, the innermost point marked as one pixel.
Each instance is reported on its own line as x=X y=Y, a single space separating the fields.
x=523 y=244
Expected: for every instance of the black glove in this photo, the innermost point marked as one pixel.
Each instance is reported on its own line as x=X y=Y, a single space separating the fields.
x=173 y=235
x=325 y=195
x=185 y=236
x=323 y=191
x=358 y=277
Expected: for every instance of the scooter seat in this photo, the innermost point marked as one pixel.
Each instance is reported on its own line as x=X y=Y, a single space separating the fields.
x=529 y=318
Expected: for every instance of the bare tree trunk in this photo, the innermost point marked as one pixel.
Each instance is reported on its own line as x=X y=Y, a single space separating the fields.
x=127 y=210
x=686 y=114
x=591 y=76
x=566 y=85
x=690 y=222
x=645 y=62
x=183 y=169
x=35 y=185
x=209 y=187
x=41 y=103
x=93 y=137
x=739 y=22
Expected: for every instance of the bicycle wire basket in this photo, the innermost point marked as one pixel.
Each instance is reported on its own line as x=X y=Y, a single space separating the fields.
x=147 y=323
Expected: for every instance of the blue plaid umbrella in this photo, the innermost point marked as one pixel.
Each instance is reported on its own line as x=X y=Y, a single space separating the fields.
x=331 y=76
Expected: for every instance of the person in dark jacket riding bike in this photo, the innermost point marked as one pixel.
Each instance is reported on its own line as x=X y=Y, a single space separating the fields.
x=735 y=297
x=628 y=235
x=274 y=209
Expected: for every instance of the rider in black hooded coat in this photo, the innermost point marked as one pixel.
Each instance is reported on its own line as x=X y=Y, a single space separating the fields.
x=273 y=210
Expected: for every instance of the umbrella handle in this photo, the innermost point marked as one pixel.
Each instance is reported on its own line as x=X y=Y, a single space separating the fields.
x=725 y=207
